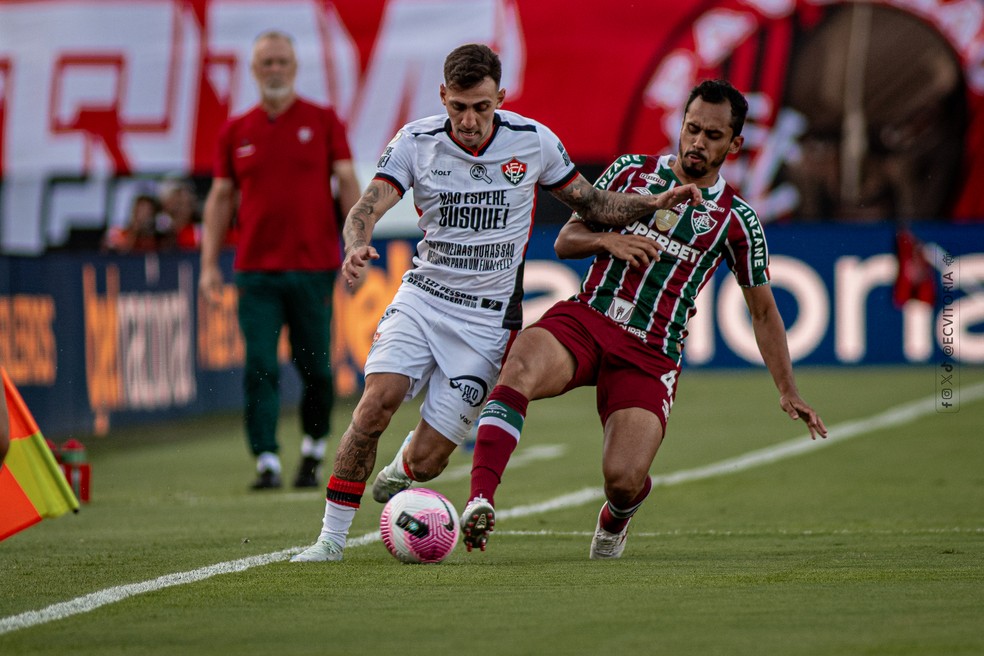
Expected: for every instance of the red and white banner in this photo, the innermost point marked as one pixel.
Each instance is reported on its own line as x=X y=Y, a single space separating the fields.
x=98 y=98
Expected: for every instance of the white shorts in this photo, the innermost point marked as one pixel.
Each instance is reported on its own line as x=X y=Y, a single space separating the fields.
x=458 y=361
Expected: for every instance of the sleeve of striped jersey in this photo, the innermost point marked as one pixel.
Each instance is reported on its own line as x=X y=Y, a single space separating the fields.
x=746 y=250
x=616 y=175
x=558 y=169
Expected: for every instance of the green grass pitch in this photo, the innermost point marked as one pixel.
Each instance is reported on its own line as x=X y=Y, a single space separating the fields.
x=873 y=544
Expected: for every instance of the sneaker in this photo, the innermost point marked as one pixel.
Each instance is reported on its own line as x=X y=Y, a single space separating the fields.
x=605 y=545
x=307 y=472
x=322 y=551
x=266 y=480
x=392 y=478
x=477 y=522
x=389 y=484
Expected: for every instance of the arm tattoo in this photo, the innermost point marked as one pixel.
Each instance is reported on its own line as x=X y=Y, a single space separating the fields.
x=604 y=207
x=362 y=219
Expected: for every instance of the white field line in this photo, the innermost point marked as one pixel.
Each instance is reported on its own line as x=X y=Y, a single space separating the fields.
x=890 y=418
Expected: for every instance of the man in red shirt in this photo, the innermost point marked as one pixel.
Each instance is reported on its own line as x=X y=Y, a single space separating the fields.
x=280 y=157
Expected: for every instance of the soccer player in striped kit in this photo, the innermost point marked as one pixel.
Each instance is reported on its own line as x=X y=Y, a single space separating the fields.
x=474 y=173
x=625 y=329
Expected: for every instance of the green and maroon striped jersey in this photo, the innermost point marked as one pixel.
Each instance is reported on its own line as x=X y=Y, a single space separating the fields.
x=655 y=303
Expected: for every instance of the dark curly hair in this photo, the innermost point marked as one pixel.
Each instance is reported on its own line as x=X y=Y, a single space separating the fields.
x=718 y=91
x=469 y=64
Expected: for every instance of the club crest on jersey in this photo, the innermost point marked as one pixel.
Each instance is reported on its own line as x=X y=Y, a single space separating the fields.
x=514 y=171
x=304 y=134
x=702 y=223
x=620 y=310
x=245 y=149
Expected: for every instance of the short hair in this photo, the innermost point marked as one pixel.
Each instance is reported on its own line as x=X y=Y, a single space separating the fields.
x=719 y=91
x=469 y=64
x=274 y=34
x=145 y=197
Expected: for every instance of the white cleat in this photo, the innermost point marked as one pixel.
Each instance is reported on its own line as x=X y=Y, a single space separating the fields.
x=386 y=486
x=392 y=479
x=605 y=545
x=322 y=551
x=477 y=522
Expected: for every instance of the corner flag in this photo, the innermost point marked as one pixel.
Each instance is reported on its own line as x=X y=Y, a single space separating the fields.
x=32 y=485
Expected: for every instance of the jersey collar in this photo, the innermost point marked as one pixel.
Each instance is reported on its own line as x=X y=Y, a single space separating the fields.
x=496 y=122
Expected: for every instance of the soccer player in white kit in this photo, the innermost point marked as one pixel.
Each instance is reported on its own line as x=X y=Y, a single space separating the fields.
x=474 y=174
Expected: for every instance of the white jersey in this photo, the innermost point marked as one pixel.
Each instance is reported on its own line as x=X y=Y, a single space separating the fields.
x=476 y=210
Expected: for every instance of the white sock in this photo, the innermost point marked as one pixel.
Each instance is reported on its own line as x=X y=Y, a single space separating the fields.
x=313 y=448
x=337 y=522
x=268 y=460
x=395 y=469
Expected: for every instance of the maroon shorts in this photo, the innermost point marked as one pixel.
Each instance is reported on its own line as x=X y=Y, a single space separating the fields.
x=626 y=371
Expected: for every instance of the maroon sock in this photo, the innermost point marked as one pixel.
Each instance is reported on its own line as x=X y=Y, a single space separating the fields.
x=615 y=519
x=499 y=428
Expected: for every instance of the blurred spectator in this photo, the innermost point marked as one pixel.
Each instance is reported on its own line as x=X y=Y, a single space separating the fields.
x=180 y=205
x=141 y=233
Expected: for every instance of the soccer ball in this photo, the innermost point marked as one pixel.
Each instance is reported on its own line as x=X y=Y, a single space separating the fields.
x=419 y=526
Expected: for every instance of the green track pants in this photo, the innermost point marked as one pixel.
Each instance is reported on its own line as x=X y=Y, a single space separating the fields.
x=302 y=301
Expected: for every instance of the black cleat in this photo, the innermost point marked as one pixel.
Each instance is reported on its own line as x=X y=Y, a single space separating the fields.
x=266 y=480
x=307 y=473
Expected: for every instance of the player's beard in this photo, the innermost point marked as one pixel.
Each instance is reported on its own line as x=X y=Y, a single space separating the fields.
x=702 y=168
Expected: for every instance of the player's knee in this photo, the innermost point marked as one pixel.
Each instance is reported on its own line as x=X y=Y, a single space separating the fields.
x=622 y=488
x=517 y=373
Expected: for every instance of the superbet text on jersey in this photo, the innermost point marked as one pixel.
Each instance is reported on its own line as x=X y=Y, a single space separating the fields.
x=475 y=208
x=655 y=303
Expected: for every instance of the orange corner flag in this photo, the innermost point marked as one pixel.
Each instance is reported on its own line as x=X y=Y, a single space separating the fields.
x=32 y=485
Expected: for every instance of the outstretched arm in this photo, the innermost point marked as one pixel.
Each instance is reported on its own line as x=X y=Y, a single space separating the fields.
x=610 y=208
x=770 y=335
x=577 y=239
x=376 y=200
